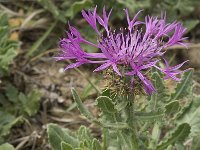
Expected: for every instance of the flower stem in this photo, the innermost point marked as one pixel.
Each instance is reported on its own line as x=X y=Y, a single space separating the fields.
x=131 y=121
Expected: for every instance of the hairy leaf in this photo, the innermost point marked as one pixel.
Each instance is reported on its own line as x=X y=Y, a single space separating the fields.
x=83 y=134
x=192 y=117
x=158 y=99
x=184 y=87
x=96 y=145
x=179 y=135
x=172 y=107
x=84 y=111
x=66 y=146
x=106 y=104
x=57 y=135
x=6 y=146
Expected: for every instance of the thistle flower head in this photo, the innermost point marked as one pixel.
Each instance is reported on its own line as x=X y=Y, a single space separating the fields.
x=131 y=51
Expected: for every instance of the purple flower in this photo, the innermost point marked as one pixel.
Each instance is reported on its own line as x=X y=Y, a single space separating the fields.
x=138 y=48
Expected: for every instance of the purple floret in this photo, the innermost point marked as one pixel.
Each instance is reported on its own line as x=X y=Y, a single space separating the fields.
x=138 y=47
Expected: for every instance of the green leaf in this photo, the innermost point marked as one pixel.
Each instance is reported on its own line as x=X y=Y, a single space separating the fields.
x=190 y=24
x=66 y=146
x=125 y=140
x=192 y=117
x=30 y=103
x=179 y=135
x=12 y=93
x=6 y=59
x=3 y=19
x=120 y=106
x=155 y=135
x=106 y=92
x=78 y=6
x=156 y=132
x=7 y=46
x=7 y=121
x=115 y=125
x=57 y=135
x=196 y=143
x=84 y=111
x=84 y=135
x=159 y=85
x=184 y=87
x=151 y=116
x=88 y=89
x=6 y=146
x=172 y=107
x=2 y=99
x=96 y=145
x=157 y=99
x=106 y=104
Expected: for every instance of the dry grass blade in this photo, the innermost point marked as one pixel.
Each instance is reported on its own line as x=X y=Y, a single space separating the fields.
x=31 y=16
x=12 y=13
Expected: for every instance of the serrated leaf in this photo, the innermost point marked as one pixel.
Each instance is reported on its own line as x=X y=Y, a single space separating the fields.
x=56 y=135
x=187 y=105
x=172 y=107
x=106 y=104
x=6 y=146
x=84 y=111
x=31 y=102
x=7 y=46
x=179 y=135
x=66 y=146
x=157 y=99
x=108 y=93
x=183 y=88
x=192 y=117
x=159 y=85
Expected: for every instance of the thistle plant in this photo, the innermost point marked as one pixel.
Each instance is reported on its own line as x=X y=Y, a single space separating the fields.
x=137 y=109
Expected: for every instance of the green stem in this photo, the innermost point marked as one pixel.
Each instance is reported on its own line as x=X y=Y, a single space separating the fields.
x=131 y=121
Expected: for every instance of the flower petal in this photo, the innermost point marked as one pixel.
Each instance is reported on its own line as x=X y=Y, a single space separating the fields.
x=104 y=66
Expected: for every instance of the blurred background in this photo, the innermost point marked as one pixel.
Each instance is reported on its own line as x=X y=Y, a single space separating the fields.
x=35 y=90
